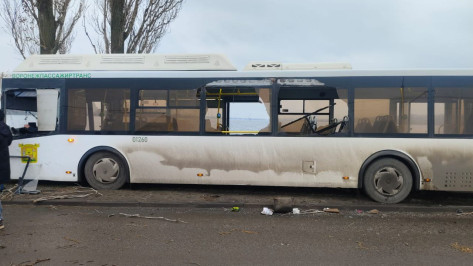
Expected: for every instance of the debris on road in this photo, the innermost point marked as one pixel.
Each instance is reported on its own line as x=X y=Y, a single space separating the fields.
x=71 y=194
x=237 y=230
x=72 y=240
x=212 y=197
x=311 y=211
x=283 y=204
x=7 y=194
x=267 y=211
x=235 y=209
x=29 y=263
x=331 y=210
x=151 y=217
x=296 y=211
x=373 y=211
x=462 y=248
x=465 y=213
x=360 y=245
x=60 y=197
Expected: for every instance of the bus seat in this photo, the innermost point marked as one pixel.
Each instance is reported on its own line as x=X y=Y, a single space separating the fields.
x=389 y=126
x=378 y=125
x=363 y=126
x=343 y=125
x=209 y=127
x=328 y=129
x=305 y=128
x=468 y=127
x=384 y=124
x=153 y=127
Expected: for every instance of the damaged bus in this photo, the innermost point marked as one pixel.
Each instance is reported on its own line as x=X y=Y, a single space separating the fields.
x=193 y=119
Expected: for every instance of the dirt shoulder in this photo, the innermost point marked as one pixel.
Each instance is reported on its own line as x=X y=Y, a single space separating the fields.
x=227 y=196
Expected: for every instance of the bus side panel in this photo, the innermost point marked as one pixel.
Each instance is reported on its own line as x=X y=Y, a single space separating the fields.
x=282 y=161
x=52 y=157
x=249 y=160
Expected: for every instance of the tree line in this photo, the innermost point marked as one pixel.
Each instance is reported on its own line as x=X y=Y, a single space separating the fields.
x=120 y=26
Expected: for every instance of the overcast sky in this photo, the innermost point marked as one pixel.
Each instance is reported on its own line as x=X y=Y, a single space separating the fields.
x=369 y=34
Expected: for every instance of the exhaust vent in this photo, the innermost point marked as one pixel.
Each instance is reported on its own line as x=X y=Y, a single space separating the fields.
x=126 y=62
x=63 y=60
x=297 y=66
x=264 y=66
x=110 y=60
x=187 y=59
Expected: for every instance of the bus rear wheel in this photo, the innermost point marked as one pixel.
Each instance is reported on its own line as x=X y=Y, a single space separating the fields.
x=105 y=170
x=387 y=180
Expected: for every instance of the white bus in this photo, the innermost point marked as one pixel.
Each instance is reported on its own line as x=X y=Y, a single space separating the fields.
x=194 y=119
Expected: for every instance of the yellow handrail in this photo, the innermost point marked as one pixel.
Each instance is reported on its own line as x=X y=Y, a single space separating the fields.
x=231 y=93
x=244 y=132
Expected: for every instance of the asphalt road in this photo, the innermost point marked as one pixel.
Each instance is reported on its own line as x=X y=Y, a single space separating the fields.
x=88 y=235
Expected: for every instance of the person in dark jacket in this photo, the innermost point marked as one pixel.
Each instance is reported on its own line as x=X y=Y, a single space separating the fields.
x=5 y=141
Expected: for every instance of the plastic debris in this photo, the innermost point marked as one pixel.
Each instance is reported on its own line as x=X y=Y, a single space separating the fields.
x=359 y=211
x=331 y=210
x=267 y=211
x=373 y=211
x=311 y=211
x=235 y=209
x=296 y=211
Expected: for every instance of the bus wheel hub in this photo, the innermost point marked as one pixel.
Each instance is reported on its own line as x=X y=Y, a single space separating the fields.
x=106 y=170
x=388 y=181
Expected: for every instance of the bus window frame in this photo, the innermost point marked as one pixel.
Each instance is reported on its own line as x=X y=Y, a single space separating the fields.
x=60 y=84
x=343 y=83
x=394 y=81
x=442 y=82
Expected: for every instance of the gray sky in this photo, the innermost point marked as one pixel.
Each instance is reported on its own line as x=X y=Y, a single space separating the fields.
x=369 y=34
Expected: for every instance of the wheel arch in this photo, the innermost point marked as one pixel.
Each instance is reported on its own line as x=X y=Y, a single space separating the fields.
x=85 y=157
x=394 y=154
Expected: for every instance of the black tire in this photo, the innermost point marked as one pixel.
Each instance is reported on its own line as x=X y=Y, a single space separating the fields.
x=387 y=180
x=105 y=170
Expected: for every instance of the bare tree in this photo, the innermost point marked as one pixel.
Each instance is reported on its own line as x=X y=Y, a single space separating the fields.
x=131 y=26
x=117 y=26
x=41 y=25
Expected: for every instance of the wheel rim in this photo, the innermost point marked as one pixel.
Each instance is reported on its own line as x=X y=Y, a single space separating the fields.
x=388 y=181
x=106 y=170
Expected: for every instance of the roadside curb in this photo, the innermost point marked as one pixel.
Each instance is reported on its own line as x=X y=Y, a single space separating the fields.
x=214 y=205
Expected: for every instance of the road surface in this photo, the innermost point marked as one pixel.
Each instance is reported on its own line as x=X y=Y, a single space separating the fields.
x=97 y=235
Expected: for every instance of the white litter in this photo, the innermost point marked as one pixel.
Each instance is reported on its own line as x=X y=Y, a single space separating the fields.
x=267 y=211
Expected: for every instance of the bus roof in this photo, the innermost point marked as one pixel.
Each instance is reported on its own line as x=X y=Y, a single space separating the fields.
x=193 y=66
x=132 y=62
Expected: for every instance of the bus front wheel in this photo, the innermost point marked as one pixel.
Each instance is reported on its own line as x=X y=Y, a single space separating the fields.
x=387 y=180
x=105 y=170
